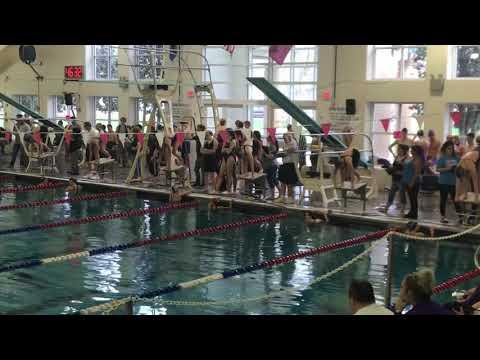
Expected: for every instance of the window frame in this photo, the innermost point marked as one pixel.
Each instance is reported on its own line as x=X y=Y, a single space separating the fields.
x=18 y=98
x=109 y=64
x=373 y=61
x=94 y=111
x=453 y=52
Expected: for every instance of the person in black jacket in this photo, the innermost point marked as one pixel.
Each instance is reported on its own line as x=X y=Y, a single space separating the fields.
x=199 y=176
x=76 y=149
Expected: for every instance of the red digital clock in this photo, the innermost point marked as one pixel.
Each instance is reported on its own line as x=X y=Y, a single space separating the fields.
x=74 y=72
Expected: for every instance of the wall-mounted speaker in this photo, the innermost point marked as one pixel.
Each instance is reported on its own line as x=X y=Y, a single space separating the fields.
x=351 y=107
x=27 y=53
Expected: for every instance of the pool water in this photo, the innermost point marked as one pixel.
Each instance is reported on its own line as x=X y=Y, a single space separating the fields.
x=64 y=288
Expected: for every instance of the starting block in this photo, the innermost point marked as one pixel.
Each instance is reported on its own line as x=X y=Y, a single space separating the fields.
x=359 y=188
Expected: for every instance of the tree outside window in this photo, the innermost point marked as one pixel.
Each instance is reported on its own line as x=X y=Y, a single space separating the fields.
x=401 y=115
x=399 y=62
x=106 y=110
x=467 y=61
x=105 y=59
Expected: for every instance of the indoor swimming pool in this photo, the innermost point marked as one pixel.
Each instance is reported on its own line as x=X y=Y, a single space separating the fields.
x=66 y=287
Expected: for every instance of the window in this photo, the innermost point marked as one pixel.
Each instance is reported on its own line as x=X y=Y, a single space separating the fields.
x=105 y=59
x=143 y=111
x=281 y=119
x=466 y=60
x=401 y=115
x=59 y=109
x=106 y=110
x=399 y=62
x=469 y=121
x=29 y=101
x=2 y=115
x=147 y=56
x=230 y=113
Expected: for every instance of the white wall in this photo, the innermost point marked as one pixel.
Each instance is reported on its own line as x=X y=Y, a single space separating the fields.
x=351 y=78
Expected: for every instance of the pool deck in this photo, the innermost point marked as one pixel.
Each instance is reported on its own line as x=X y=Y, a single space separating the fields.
x=428 y=213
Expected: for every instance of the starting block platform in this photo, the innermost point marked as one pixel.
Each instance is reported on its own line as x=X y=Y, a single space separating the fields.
x=359 y=188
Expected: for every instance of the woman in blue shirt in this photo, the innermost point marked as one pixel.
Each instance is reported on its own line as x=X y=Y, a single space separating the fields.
x=446 y=165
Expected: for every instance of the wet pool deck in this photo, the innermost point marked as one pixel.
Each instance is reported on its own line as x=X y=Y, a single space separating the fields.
x=429 y=214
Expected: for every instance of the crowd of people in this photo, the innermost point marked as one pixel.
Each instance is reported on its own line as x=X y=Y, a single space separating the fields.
x=454 y=165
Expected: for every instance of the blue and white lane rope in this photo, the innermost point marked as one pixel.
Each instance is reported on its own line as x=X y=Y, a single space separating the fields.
x=109 y=249
x=97 y=218
x=235 y=272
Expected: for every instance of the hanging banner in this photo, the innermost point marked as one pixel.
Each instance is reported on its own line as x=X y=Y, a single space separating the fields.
x=37 y=137
x=160 y=135
x=278 y=53
x=456 y=117
x=201 y=137
x=385 y=123
x=326 y=128
x=122 y=137
x=224 y=135
x=420 y=121
x=271 y=133
x=68 y=137
x=397 y=135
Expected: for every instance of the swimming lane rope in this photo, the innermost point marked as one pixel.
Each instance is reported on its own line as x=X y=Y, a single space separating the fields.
x=6 y=177
x=26 y=188
x=456 y=280
x=109 y=249
x=110 y=306
x=97 y=218
x=88 y=197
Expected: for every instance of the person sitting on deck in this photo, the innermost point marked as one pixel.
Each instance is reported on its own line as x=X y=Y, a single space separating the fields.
x=317 y=216
x=362 y=299
x=177 y=194
x=415 y=296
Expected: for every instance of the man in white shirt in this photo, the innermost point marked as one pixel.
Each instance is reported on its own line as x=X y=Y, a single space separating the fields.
x=93 y=147
x=362 y=299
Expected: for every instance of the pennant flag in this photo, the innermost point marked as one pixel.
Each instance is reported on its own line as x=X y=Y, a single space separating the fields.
x=419 y=121
x=397 y=135
x=51 y=136
x=68 y=137
x=173 y=52
x=326 y=95
x=180 y=137
x=37 y=137
x=456 y=117
x=326 y=128
x=224 y=135
x=160 y=135
x=8 y=136
x=104 y=138
x=201 y=137
x=229 y=48
x=271 y=133
x=121 y=137
x=278 y=53
x=385 y=123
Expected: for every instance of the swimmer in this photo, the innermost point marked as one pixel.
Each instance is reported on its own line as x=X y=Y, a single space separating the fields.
x=317 y=217
x=412 y=228
x=176 y=195
x=73 y=187
x=213 y=204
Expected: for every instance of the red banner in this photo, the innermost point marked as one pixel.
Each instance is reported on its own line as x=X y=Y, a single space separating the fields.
x=278 y=53
x=326 y=128
x=385 y=123
x=456 y=117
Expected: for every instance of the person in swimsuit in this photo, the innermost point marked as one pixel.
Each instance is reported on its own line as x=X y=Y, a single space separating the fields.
x=247 y=148
x=470 y=145
x=348 y=161
x=208 y=152
x=177 y=195
x=421 y=141
x=433 y=148
x=73 y=188
x=214 y=204
x=317 y=217
x=227 y=167
x=93 y=148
